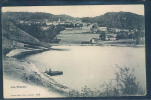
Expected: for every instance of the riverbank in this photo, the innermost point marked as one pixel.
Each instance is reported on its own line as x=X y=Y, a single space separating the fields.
x=90 y=64
x=113 y=45
x=21 y=71
x=29 y=71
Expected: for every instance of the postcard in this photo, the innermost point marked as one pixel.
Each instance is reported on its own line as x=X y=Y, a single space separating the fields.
x=73 y=51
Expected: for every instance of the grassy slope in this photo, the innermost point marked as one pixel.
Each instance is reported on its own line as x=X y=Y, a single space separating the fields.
x=21 y=70
x=13 y=33
x=27 y=72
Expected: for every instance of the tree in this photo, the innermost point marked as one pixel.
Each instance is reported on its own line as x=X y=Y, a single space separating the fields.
x=102 y=35
x=94 y=26
x=122 y=35
x=138 y=35
x=124 y=83
x=131 y=36
x=34 y=29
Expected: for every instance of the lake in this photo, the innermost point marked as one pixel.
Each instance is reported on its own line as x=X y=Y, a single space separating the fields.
x=90 y=65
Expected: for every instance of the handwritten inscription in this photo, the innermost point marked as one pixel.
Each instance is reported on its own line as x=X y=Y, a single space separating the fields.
x=36 y=94
x=18 y=86
x=22 y=95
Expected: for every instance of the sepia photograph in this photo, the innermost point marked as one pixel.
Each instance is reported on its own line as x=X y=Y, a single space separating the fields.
x=73 y=51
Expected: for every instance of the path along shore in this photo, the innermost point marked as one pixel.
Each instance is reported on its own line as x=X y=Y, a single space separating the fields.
x=15 y=69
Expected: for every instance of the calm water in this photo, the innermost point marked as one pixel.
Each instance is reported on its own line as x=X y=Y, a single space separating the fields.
x=90 y=65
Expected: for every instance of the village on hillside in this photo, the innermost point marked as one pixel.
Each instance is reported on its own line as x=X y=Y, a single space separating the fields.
x=43 y=29
x=107 y=35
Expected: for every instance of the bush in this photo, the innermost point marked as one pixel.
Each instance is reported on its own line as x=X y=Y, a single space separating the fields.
x=102 y=35
x=123 y=84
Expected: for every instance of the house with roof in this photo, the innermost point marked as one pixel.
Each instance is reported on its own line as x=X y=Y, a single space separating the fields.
x=94 y=40
x=104 y=29
x=116 y=30
x=110 y=37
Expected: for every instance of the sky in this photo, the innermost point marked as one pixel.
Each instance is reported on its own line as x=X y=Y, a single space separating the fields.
x=78 y=11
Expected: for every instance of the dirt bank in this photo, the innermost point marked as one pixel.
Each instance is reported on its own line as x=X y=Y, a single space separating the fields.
x=28 y=73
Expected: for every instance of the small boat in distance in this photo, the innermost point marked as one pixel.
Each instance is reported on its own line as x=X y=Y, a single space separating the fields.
x=53 y=73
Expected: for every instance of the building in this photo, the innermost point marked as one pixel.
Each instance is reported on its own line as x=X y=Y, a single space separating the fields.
x=110 y=37
x=94 y=40
x=102 y=29
x=44 y=28
x=116 y=30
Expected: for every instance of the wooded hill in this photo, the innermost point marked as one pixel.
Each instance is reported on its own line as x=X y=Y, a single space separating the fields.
x=29 y=16
x=123 y=20
x=31 y=34
x=11 y=26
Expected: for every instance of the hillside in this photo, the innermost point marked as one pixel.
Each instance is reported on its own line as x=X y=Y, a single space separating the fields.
x=32 y=28
x=124 y=20
x=12 y=32
x=28 y=16
x=35 y=24
x=14 y=36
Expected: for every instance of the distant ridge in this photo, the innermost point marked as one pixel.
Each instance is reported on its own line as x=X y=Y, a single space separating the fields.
x=35 y=16
x=124 y=20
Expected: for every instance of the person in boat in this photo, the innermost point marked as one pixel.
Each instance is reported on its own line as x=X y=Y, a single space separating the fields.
x=50 y=70
x=53 y=73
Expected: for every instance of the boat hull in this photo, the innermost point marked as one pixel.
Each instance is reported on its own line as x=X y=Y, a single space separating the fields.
x=54 y=73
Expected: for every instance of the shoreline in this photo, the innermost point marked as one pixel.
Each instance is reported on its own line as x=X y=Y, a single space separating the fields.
x=16 y=68
x=101 y=45
x=28 y=53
